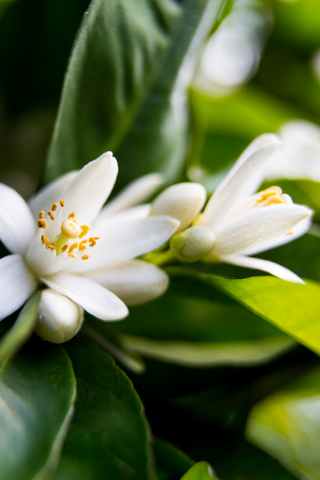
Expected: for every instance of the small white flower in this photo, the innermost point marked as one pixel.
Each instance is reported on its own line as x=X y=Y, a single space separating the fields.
x=244 y=223
x=299 y=155
x=64 y=240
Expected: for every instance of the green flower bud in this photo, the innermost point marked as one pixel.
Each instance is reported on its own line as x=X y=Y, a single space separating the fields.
x=192 y=244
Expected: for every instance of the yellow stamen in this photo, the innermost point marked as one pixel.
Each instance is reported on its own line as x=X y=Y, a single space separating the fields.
x=51 y=215
x=72 y=255
x=42 y=223
x=273 y=201
x=92 y=243
x=52 y=247
x=41 y=215
x=54 y=207
x=290 y=233
x=62 y=202
x=85 y=229
x=65 y=247
x=72 y=215
x=82 y=248
x=72 y=247
x=85 y=257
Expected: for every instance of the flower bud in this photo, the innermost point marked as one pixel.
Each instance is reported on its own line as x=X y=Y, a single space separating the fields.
x=59 y=318
x=182 y=202
x=192 y=244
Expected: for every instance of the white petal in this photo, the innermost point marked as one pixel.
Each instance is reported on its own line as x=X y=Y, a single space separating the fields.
x=90 y=189
x=257 y=227
x=133 y=281
x=126 y=240
x=141 y=211
x=239 y=185
x=17 y=226
x=256 y=144
x=264 y=265
x=94 y=298
x=297 y=231
x=59 y=318
x=51 y=193
x=17 y=284
x=136 y=192
x=44 y=261
x=182 y=202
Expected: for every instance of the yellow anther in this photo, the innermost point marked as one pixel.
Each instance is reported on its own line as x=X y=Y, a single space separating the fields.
x=273 y=201
x=72 y=247
x=42 y=223
x=93 y=238
x=52 y=247
x=54 y=207
x=41 y=215
x=85 y=229
x=92 y=243
x=65 y=247
x=70 y=229
x=82 y=248
x=85 y=257
x=62 y=202
x=51 y=215
x=290 y=233
x=72 y=215
x=43 y=238
x=72 y=255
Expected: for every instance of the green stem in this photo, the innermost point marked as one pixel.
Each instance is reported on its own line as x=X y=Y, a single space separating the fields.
x=162 y=258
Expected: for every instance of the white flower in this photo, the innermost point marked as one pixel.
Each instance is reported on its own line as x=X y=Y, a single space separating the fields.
x=245 y=223
x=64 y=240
x=299 y=155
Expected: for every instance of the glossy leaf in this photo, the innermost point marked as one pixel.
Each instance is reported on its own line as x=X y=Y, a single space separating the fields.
x=287 y=426
x=194 y=326
x=21 y=330
x=37 y=392
x=291 y=307
x=125 y=88
x=200 y=471
x=109 y=435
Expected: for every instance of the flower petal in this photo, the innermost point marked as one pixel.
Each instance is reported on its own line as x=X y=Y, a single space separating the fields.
x=17 y=226
x=257 y=227
x=51 y=193
x=122 y=241
x=182 y=201
x=141 y=211
x=264 y=265
x=240 y=184
x=133 y=281
x=136 y=192
x=91 y=188
x=297 y=231
x=94 y=298
x=17 y=284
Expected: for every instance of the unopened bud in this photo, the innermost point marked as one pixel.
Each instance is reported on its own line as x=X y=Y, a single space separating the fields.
x=59 y=318
x=192 y=244
x=182 y=202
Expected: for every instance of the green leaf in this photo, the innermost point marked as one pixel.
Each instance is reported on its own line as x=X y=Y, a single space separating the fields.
x=287 y=426
x=37 y=392
x=291 y=307
x=171 y=462
x=109 y=435
x=205 y=328
x=200 y=471
x=124 y=89
x=21 y=330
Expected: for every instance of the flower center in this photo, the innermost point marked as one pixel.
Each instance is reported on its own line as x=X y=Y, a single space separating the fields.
x=69 y=231
x=272 y=196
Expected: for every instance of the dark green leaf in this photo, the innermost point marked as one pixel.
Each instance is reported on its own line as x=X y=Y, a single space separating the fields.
x=171 y=462
x=200 y=471
x=109 y=436
x=287 y=426
x=291 y=307
x=21 y=330
x=205 y=328
x=37 y=392
x=121 y=91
